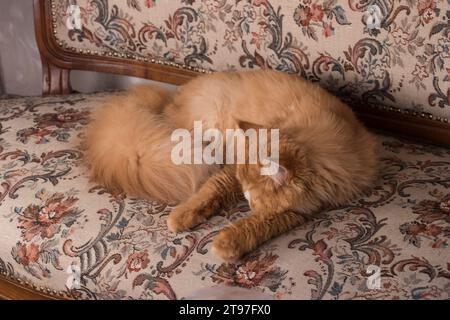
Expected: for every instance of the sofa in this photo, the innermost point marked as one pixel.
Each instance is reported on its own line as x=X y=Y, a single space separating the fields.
x=64 y=237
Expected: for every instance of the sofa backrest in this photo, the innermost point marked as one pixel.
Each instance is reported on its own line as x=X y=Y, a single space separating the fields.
x=389 y=59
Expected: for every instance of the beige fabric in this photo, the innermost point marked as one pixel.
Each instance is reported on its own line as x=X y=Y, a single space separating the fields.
x=52 y=219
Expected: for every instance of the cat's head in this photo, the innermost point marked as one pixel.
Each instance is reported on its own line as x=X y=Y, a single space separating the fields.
x=275 y=184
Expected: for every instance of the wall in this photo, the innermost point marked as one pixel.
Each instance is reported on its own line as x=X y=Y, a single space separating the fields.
x=20 y=65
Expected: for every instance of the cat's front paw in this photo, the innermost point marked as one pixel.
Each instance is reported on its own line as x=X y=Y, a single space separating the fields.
x=182 y=218
x=228 y=246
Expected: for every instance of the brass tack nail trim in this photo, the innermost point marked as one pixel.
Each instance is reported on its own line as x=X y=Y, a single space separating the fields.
x=48 y=291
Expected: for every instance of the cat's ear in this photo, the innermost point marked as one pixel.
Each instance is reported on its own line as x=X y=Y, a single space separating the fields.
x=244 y=125
x=282 y=175
x=277 y=172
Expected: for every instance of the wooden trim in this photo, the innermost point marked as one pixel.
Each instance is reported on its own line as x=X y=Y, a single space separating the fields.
x=57 y=58
x=13 y=291
x=55 y=80
x=410 y=126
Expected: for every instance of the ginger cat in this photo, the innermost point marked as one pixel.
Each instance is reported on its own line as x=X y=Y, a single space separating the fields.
x=326 y=157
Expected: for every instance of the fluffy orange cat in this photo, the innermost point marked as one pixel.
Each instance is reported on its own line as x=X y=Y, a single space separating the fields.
x=326 y=157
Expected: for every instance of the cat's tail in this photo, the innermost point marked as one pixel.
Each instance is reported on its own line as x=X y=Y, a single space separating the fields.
x=128 y=148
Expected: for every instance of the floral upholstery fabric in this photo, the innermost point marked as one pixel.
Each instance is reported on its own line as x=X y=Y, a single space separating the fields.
x=53 y=220
x=378 y=52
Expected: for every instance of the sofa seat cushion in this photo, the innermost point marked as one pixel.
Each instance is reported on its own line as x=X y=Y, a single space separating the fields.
x=57 y=227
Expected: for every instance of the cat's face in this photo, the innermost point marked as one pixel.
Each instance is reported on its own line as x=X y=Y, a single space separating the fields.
x=278 y=192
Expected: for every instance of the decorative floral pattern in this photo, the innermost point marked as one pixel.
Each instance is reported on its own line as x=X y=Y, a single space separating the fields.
x=56 y=124
x=54 y=220
x=379 y=52
x=432 y=223
x=46 y=219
